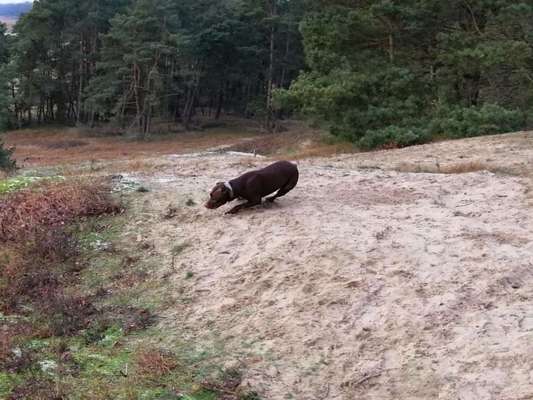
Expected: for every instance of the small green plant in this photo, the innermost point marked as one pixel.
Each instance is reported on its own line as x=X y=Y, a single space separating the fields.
x=7 y=383
x=14 y=184
x=112 y=336
x=189 y=275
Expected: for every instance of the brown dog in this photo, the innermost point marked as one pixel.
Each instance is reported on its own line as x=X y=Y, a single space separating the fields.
x=281 y=176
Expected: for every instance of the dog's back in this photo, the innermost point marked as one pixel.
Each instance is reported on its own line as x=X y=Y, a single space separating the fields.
x=269 y=179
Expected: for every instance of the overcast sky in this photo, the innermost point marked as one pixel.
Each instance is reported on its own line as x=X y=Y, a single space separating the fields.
x=13 y=1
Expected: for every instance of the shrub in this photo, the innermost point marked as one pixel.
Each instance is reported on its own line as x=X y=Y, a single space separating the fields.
x=354 y=102
x=155 y=362
x=24 y=279
x=393 y=137
x=24 y=213
x=66 y=314
x=34 y=243
x=460 y=122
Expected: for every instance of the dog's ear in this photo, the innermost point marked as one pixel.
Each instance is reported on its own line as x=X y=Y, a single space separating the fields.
x=222 y=186
x=217 y=186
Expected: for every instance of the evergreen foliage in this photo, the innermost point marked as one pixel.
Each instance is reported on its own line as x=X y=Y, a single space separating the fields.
x=380 y=73
x=391 y=73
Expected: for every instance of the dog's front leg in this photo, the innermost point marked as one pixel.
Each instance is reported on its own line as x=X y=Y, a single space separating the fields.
x=250 y=203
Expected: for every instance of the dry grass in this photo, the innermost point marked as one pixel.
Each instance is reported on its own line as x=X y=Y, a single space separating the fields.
x=450 y=168
x=33 y=234
x=42 y=147
x=325 y=150
x=25 y=213
x=38 y=390
x=64 y=146
x=141 y=165
x=295 y=145
x=457 y=168
x=155 y=362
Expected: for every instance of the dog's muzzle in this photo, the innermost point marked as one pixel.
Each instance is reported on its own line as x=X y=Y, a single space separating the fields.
x=211 y=205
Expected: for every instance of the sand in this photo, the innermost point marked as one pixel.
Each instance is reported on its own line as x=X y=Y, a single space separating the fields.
x=362 y=283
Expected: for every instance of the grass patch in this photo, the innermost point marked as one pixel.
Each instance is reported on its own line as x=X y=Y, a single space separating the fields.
x=75 y=318
x=95 y=362
x=13 y=184
x=8 y=382
x=453 y=168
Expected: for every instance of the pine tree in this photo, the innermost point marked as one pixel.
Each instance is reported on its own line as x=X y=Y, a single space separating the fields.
x=6 y=162
x=395 y=73
x=191 y=56
x=4 y=94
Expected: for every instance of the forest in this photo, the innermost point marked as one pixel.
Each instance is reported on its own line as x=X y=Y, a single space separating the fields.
x=379 y=73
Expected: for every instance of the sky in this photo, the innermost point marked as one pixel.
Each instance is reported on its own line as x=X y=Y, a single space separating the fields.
x=13 y=1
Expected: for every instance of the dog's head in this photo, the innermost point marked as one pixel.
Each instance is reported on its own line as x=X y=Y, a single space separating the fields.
x=219 y=196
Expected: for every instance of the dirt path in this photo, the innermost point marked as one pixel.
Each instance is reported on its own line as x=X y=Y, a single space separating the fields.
x=360 y=284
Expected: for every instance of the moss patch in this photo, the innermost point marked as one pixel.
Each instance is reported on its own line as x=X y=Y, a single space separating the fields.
x=18 y=183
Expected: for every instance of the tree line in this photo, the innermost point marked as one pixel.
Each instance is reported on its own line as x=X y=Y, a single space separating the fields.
x=395 y=73
x=380 y=73
x=136 y=61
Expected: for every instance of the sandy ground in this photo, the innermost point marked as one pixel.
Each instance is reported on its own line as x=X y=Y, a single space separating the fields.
x=362 y=283
x=509 y=153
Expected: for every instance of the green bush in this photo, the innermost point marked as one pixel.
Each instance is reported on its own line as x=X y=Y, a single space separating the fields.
x=393 y=136
x=459 y=122
x=6 y=161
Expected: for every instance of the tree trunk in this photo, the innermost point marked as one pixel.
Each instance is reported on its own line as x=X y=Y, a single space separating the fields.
x=220 y=101
x=189 y=108
x=269 y=122
x=391 y=48
x=177 y=112
x=190 y=103
x=285 y=60
x=79 y=109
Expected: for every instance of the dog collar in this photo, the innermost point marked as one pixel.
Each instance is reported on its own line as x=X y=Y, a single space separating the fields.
x=230 y=189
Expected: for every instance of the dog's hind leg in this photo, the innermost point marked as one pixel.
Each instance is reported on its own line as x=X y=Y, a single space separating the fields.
x=285 y=189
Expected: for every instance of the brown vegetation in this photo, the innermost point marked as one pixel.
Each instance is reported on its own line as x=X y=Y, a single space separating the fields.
x=155 y=362
x=35 y=147
x=453 y=168
x=26 y=213
x=294 y=145
x=63 y=146
x=36 y=243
